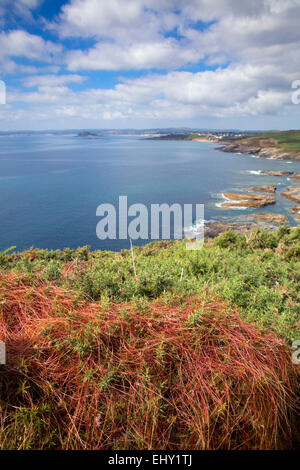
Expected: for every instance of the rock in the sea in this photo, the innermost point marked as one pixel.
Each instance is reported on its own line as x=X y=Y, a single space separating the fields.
x=295 y=177
x=270 y=217
x=292 y=193
x=213 y=229
x=247 y=200
x=264 y=189
x=274 y=154
x=296 y=211
x=276 y=173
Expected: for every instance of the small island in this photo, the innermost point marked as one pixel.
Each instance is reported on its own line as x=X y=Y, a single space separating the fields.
x=88 y=134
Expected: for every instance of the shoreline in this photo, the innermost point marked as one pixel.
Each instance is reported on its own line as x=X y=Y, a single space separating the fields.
x=273 y=153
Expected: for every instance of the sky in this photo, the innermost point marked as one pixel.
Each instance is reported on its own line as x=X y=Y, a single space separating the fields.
x=106 y=64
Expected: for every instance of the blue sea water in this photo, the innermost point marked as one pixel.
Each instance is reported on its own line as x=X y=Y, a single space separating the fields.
x=51 y=185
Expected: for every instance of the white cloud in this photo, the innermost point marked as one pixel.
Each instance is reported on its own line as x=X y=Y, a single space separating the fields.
x=256 y=45
x=19 y=8
x=51 y=80
x=19 y=43
x=240 y=89
x=166 y=53
x=137 y=37
x=113 y=19
x=236 y=90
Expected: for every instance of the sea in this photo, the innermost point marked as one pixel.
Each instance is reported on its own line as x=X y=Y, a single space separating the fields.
x=51 y=185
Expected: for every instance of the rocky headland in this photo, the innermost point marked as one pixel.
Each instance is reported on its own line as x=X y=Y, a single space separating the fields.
x=279 y=219
x=274 y=145
x=214 y=228
x=247 y=200
x=264 y=189
x=262 y=151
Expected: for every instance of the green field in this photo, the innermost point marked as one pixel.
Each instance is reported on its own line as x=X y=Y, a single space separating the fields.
x=287 y=141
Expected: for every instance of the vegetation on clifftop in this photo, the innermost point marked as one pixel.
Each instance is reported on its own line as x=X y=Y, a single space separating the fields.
x=192 y=352
x=259 y=274
x=284 y=141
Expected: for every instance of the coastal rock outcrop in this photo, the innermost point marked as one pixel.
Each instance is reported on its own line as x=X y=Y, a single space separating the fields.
x=264 y=189
x=295 y=177
x=214 y=228
x=270 y=217
x=262 y=152
x=296 y=211
x=292 y=193
x=275 y=154
x=238 y=148
x=276 y=173
x=247 y=200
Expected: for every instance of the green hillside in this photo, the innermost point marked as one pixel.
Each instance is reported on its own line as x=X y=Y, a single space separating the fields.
x=261 y=276
x=287 y=141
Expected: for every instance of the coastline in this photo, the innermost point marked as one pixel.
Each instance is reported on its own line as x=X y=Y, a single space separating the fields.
x=274 y=153
x=280 y=145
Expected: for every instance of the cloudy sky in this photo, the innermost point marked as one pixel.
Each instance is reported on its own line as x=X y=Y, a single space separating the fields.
x=149 y=63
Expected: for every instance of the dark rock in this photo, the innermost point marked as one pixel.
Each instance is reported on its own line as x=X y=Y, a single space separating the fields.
x=213 y=229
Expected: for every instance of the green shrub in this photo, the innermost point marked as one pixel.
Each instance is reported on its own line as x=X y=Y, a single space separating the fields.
x=260 y=275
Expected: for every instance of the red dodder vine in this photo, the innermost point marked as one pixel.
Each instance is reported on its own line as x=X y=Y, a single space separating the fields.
x=137 y=376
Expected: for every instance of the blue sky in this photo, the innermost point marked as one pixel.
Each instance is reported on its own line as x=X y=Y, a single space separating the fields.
x=149 y=63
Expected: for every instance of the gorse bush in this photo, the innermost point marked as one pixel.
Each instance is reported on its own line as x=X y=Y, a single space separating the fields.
x=229 y=239
x=260 y=273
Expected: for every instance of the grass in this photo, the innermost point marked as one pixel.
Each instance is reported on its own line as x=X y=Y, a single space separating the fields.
x=287 y=141
x=99 y=358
